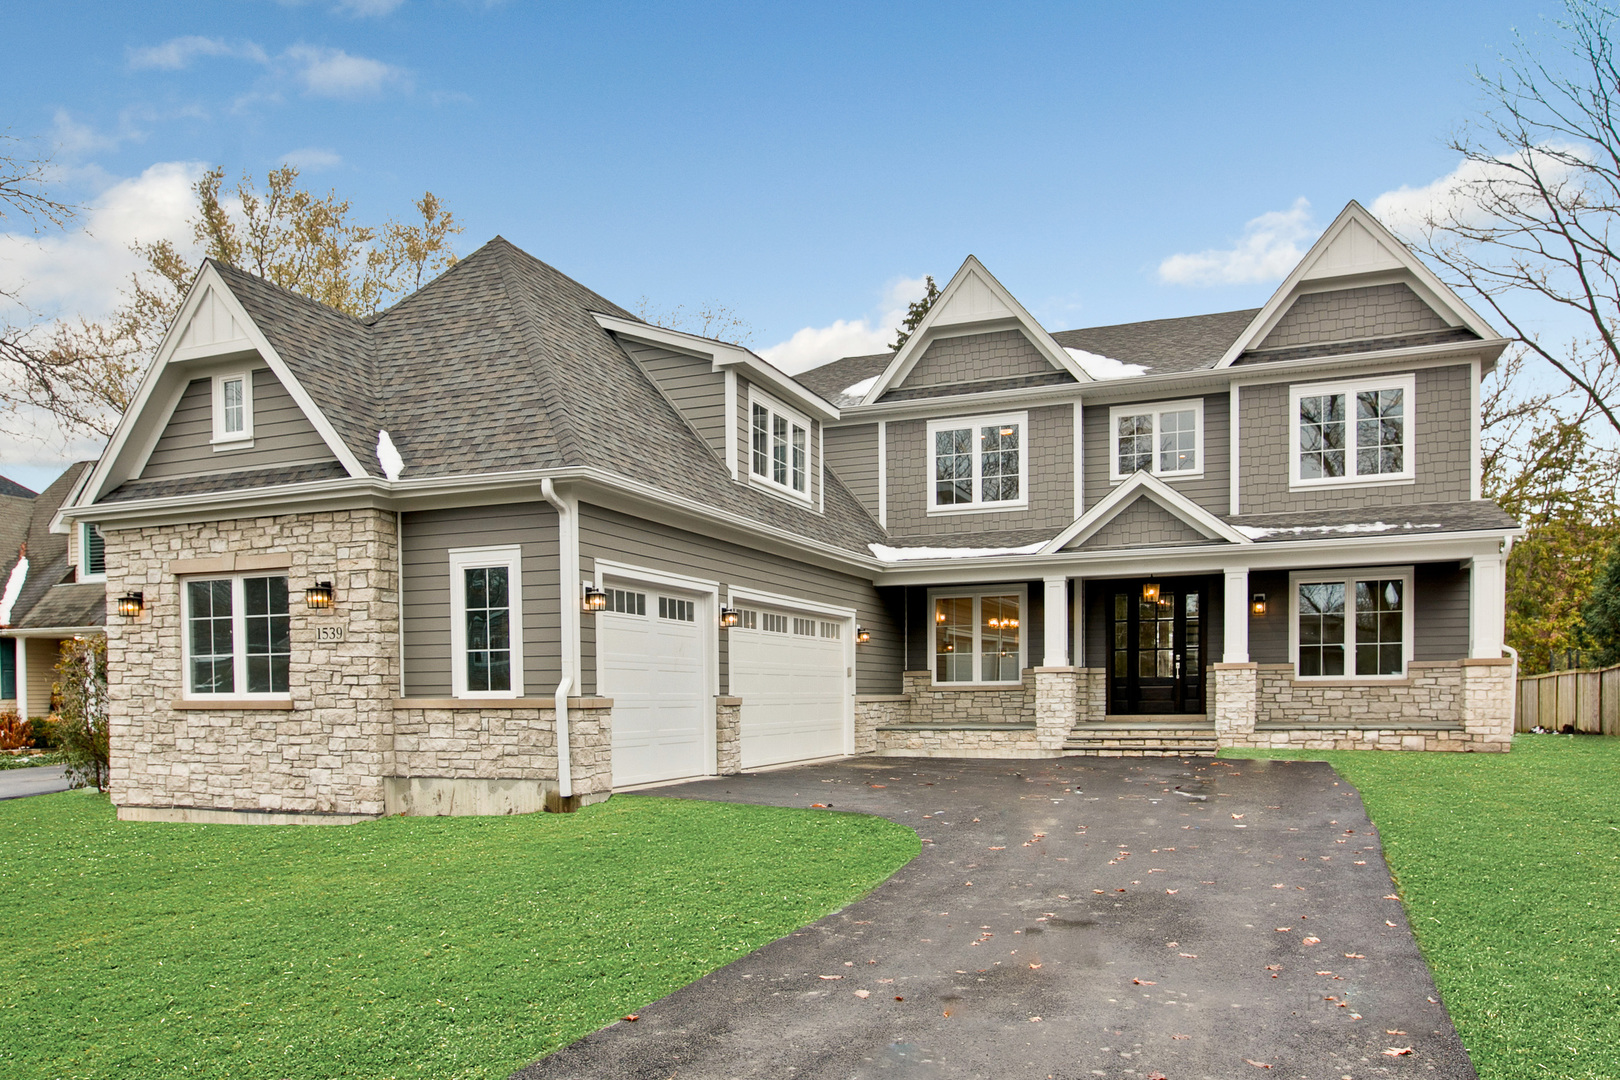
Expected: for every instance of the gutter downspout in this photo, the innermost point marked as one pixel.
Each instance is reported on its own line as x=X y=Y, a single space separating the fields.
x=568 y=566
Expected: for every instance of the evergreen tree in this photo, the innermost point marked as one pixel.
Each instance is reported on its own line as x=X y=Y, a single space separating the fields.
x=914 y=315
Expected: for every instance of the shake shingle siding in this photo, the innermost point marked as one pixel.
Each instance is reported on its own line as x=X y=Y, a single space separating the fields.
x=976 y=357
x=282 y=434
x=1143 y=523
x=1375 y=311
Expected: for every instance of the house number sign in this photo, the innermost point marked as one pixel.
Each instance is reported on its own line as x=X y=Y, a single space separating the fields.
x=329 y=633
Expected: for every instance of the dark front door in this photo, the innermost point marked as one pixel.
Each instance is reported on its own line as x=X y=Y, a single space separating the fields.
x=1157 y=664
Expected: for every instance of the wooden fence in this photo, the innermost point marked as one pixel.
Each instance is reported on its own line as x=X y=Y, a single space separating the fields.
x=1590 y=700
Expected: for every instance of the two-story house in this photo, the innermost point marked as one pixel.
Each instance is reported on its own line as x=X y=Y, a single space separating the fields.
x=505 y=545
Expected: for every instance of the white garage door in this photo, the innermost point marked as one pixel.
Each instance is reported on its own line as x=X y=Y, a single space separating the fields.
x=651 y=662
x=788 y=668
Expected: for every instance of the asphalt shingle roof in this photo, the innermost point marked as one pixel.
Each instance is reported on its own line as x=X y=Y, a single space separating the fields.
x=15 y=490
x=49 y=570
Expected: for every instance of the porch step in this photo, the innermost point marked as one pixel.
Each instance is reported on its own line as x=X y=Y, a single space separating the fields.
x=1142 y=738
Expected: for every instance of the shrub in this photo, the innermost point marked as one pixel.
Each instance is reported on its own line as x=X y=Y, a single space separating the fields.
x=81 y=730
x=44 y=732
x=15 y=732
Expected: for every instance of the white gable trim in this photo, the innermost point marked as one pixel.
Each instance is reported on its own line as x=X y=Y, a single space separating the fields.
x=141 y=424
x=1147 y=486
x=973 y=301
x=1357 y=250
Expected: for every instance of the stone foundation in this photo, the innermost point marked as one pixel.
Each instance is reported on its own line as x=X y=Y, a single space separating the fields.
x=968 y=740
x=1416 y=736
x=1431 y=693
x=1058 y=704
x=728 y=735
x=873 y=711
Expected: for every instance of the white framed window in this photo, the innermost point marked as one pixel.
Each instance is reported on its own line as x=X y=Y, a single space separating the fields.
x=778 y=446
x=1351 y=432
x=92 y=553
x=237 y=641
x=486 y=622
x=978 y=463
x=233 y=410
x=1165 y=438
x=1351 y=624
x=978 y=635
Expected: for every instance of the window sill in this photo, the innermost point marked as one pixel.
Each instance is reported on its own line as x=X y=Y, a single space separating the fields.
x=227 y=445
x=1339 y=483
x=979 y=508
x=230 y=704
x=1168 y=478
x=759 y=483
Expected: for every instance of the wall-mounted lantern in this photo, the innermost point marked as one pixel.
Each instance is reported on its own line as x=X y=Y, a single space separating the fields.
x=862 y=635
x=318 y=596
x=130 y=605
x=728 y=617
x=1257 y=604
x=1150 y=592
x=595 y=599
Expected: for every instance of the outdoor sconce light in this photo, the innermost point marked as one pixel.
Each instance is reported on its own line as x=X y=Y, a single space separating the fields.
x=862 y=635
x=1258 y=603
x=130 y=605
x=939 y=616
x=1150 y=592
x=728 y=617
x=595 y=599
x=318 y=595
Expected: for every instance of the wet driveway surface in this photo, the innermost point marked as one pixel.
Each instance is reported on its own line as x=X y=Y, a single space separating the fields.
x=1076 y=917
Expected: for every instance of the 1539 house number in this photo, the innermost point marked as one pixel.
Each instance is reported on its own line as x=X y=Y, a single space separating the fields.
x=329 y=633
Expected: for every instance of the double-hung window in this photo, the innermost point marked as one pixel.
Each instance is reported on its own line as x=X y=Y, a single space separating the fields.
x=486 y=622
x=1355 y=624
x=1164 y=438
x=1351 y=432
x=238 y=636
x=978 y=463
x=92 y=553
x=779 y=446
x=233 y=410
x=978 y=636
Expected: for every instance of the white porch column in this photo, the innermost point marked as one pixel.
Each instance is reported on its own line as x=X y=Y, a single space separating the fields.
x=1236 y=608
x=1056 y=611
x=22 y=677
x=1486 y=607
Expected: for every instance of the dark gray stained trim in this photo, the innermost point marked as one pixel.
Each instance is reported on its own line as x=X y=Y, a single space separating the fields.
x=1143 y=522
x=1373 y=311
x=616 y=537
x=1441 y=464
x=425 y=546
x=1405 y=519
x=973 y=358
x=272 y=476
x=852 y=453
x=692 y=385
x=1049 y=447
x=281 y=433
x=69 y=605
x=1212 y=491
x=984 y=386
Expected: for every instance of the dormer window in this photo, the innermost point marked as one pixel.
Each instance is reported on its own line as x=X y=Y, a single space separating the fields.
x=779 y=447
x=233 y=410
x=92 y=553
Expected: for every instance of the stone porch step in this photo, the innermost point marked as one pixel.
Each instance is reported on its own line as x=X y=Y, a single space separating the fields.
x=1142 y=738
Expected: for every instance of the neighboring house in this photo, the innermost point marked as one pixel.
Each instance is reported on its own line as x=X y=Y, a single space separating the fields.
x=505 y=544
x=52 y=588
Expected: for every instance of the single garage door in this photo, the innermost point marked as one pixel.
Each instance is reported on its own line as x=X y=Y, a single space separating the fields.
x=789 y=670
x=651 y=661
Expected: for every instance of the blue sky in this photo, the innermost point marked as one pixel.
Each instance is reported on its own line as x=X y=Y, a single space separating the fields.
x=803 y=164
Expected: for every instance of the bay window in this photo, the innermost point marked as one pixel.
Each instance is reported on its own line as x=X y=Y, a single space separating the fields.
x=1351 y=432
x=237 y=639
x=978 y=636
x=1352 y=624
x=1164 y=438
x=779 y=446
x=978 y=463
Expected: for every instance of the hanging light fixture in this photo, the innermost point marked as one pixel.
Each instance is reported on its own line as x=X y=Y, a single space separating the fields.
x=595 y=599
x=1150 y=592
x=728 y=617
x=318 y=595
x=130 y=605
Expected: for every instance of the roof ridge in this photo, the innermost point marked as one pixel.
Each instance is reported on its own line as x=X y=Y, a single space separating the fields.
x=1251 y=312
x=540 y=358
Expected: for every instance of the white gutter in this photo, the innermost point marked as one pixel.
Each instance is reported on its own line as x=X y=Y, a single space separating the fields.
x=568 y=573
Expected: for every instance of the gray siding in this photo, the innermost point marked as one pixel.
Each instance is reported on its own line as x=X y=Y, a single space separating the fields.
x=282 y=434
x=1212 y=491
x=426 y=541
x=1440 y=459
x=697 y=392
x=607 y=534
x=1348 y=314
x=1439 y=614
x=1143 y=522
x=852 y=453
x=1003 y=354
x=1049 y=447
x=1268 y=633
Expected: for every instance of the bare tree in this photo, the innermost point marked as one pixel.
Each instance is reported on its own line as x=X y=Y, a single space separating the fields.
x=710 y=319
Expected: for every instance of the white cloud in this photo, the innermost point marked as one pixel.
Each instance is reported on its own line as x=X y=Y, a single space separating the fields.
x=1406 y=210
x=1270 y=247
x=312 y=159
x=334 y=73
x=813 y=346
x=177 y=54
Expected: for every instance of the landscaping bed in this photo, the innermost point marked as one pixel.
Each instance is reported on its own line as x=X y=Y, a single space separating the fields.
x=442 y=947
x=1509 y=866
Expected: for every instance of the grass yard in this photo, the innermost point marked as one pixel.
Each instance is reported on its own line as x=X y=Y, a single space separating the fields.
x=1509 y=865
x=409 y=947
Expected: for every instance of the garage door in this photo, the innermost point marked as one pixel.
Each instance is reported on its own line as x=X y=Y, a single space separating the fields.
x=788 y=668
x=651 y=662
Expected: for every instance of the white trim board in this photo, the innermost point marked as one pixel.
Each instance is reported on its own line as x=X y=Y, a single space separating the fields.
x=1145 y=485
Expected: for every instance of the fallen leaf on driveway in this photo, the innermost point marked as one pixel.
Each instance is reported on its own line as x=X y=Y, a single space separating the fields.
x=863 y=993
x=633 y=1017
x=1171 y=892
x=1388 y=923
x=1355 y=1016
x=1391 y=896
x=1354 y=956
x=1144 y=982
x=1239 y=817
x=1181 y=1036
x=829 y=977
x=1285 y=929
x=1190 y=955
x=1311 y=941
x=1258 y=1064
x=1034 y=967
x=1393 y=1031
x=1157 y=1076
x=1034 y=1019
x=1398 y=1051
x=819 y=805
x=1002 y=847
x=1273 y=967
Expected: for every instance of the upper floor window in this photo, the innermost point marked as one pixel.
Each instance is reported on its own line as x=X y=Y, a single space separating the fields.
x=237 y=640
x=779 y=446
x=92 y=553
x=1352 y=624
x=486 y=622
x=233 y=409
x=978 y=463
x=1165 y=439
x=1352 y=432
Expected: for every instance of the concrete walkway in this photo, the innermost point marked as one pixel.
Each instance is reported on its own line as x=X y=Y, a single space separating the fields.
x=1146 y=918
x=38 y=780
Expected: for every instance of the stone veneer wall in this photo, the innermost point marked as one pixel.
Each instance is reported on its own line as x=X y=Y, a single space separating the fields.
x=981 y=705
x=728 y=734
x=1432 y=693
x=873 y=711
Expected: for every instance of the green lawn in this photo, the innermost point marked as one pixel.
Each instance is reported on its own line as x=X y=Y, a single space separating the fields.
x=409 y=947
x=1509 y=865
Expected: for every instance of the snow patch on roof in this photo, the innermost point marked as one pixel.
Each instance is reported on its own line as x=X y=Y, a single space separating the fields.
x=893 y=554
x=388 y=456
x=1256 y=533
x=14 y=586
x=1104 y=367
x=860 y=389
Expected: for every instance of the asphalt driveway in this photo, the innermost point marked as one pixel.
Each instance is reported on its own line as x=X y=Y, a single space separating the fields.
x=1071 y=918
x=38 y=780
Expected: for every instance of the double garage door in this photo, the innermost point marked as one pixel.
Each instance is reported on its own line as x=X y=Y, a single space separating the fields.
x=655 y=660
